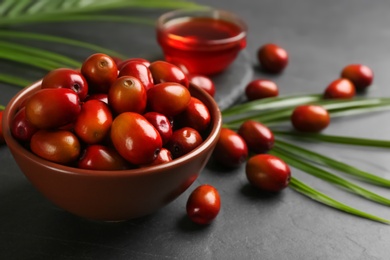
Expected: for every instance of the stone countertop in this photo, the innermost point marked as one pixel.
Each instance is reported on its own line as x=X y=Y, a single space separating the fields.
x=321 y=38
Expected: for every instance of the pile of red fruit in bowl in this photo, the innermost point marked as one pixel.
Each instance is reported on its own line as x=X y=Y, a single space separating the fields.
x=112 y=117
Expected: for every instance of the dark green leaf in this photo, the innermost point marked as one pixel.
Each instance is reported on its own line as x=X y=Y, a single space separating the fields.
x=308 y=191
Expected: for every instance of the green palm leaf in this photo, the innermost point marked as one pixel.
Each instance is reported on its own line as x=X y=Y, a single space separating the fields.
x=35 y=11
x=45 y=11
x=308 y=191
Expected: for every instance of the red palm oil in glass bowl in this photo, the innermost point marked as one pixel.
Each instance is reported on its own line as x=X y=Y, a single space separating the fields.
x=204 y=41
x=112 y=195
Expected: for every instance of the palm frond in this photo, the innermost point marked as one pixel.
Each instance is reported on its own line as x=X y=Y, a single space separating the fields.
x=33 y=11
x=45 y=11
x=9 y=34
x=312 y=193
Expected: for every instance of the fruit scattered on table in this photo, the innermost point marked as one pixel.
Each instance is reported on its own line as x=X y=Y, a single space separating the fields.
x=267 y=172
x=257 y=136
x=310 y=118
x=360 y=75
x=231 y=149
x=203 y=204
x=272 y=58
x=261 y=88
x=341 y=89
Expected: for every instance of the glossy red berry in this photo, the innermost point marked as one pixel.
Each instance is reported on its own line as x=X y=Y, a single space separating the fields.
x=261 y=88
x=138 y=70
x=272 y=58
x=135 y=138
x=360 y=75
x=163 y=71
x=231 y=149
x=93 y=123
x=52 y=107
x=168 y=98
x=100 y=71
x=161 y=123
x=195 y=115
x=310 y=118
x=21 y=128
x=102 y=158
x=163 y=156
x=127 y=94
x=257 y=136
x=183 y=141
x=203 y=82
x=66 y=78
x=60 y=146
x=203 y=204
x=267 y=172
x=340 y=89
x=98 y=96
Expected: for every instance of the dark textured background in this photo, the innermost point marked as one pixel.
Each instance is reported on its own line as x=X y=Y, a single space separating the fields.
x=321 y=38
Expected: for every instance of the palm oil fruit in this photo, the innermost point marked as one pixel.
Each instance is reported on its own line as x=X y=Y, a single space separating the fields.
x=60 y=146
x=310 y=118
x=231 y=149
x=261 y=88
x=257 y=136
x=21 y=128
x=163 y=71
x=100 y=71
x=267 y=172
x=101 y=158
x=164 y=156
x=183 y=141
x=135 y=138
x=360 y=75
x=272 y=58
x=52 y=107
x=94 y=121
x=203 y=204
x=203 y=82
x=168 y=98
x=195 y=115
x=127 y=94
x=161 y=123
x=138 y=70
x=340 y=89
x=66 y=78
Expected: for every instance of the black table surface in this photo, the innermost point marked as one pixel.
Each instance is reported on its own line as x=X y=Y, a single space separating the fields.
x=321 y=38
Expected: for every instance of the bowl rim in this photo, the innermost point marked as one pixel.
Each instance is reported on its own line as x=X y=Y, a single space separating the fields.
x=13 y=144
x=217 y=14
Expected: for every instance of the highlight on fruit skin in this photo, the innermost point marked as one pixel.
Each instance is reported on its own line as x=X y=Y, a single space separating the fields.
x=203 y=204
x=310 y=118
x=231 y=150
x=360 y=75
x=341 y=88
x=272 y=58
x=257 y=136
x=267 y=172
x=261 y=88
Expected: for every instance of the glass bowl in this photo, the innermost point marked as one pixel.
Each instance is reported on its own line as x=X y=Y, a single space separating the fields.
x=204 y=41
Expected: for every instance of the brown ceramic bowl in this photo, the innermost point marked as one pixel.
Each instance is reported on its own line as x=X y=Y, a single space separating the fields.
x=112 y=195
